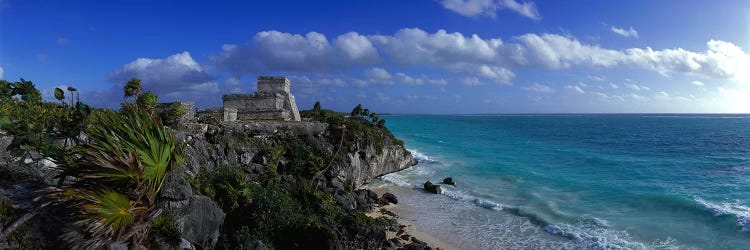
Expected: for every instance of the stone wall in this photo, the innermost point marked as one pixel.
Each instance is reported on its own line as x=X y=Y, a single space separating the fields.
x=273 y=101
x=273 y=84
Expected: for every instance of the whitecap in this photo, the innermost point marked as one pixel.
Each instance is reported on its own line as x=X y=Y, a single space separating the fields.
x=742 y=213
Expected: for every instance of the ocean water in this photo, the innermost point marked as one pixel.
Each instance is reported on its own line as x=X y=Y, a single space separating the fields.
x=579 y=181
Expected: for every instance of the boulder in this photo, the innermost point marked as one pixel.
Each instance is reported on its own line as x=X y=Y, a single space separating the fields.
x=449 y=181
x=202 y=220
x=432 y=188
x=390 y=198
x=342 y=199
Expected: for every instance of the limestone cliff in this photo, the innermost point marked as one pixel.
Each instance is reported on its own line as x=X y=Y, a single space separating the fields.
x=353 y=160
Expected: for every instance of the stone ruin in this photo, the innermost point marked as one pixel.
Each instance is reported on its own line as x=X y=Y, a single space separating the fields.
x=273 y=101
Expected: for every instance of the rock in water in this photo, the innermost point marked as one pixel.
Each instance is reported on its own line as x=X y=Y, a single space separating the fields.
x=390 y=198
x=432 y=188
x=449 y=181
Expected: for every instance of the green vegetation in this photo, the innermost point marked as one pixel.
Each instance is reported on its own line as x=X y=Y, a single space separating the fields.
x=118 y=177
x=118 y=170
x=356 y=127
x=6 y=211
x=112 y=165
x=357 y=111
x=164 y=229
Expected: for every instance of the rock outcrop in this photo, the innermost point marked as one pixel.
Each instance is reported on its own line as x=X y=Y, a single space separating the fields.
x=432 y=188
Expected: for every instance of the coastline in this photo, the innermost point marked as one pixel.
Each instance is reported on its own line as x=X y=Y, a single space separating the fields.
x=409 y=230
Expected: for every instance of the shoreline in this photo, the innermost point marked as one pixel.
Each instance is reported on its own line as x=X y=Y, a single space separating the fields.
x=408 y=229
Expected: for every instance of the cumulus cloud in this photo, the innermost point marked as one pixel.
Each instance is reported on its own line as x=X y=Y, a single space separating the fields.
x=278 y=51
x=378 y=74
x=468 y=56
x=613 y=85
x=540 y=88
x=697 y=83
x=625 y=32
x=489 y=8
x=175 y=77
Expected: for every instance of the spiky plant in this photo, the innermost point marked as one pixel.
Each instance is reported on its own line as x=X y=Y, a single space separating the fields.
x=118 y=177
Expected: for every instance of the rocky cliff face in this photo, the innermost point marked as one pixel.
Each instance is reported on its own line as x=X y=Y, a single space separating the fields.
x=336 y=158
x=244 y=145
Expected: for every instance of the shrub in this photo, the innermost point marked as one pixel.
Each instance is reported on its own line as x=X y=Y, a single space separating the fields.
x=164 y=229
x=118 y=177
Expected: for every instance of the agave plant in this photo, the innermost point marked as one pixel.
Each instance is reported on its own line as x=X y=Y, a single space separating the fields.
x=118 y=177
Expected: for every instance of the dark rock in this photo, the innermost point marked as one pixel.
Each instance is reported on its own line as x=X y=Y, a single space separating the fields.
x=202 y=221
x=254 y=245
x=432 y=188
x=449 y=181
x=344 y=200
x=405 y=237
x=416 y=245
x=117 y=246
x=176 y=187
x=390 y=198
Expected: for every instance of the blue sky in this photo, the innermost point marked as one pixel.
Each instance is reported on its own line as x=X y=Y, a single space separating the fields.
x=432 y=56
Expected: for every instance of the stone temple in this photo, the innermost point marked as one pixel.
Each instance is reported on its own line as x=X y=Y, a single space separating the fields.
x=273 y=101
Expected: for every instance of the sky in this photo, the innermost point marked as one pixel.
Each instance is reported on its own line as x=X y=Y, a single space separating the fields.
x=411 y=57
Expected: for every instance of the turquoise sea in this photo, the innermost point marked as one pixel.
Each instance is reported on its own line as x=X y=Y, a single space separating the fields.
x=579 y=181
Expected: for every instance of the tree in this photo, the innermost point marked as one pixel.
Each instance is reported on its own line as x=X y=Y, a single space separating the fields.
x=147 y=100
x=316 y=107
x=381 y=123
x=27 y=91
x=357 y=111
x=374 y=117
x=365 y=112
x=133 y=87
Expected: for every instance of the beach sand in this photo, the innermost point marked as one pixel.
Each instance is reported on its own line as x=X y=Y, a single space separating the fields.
x=408 y=228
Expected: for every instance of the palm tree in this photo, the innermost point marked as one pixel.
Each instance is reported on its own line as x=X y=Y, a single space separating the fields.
x=118 y=178
x=59 y=94
x=316 y=107
x=357 y=111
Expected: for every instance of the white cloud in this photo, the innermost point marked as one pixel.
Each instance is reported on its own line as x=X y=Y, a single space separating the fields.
x=176 y=77
x=469 y=55
x=597 y=78
x=575 y=88
x=233 y=85
x=637 y=87
x=379 y=74
x=408 y=80
x=278 y=51
x=613 y=85
x=625 y=32
x=697 y=83
x=471 y=81
x=2 y=73
x=455 y=52
x=540 y=88
x=489 y=8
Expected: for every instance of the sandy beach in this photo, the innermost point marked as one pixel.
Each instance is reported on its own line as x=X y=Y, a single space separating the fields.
x=408 y=229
